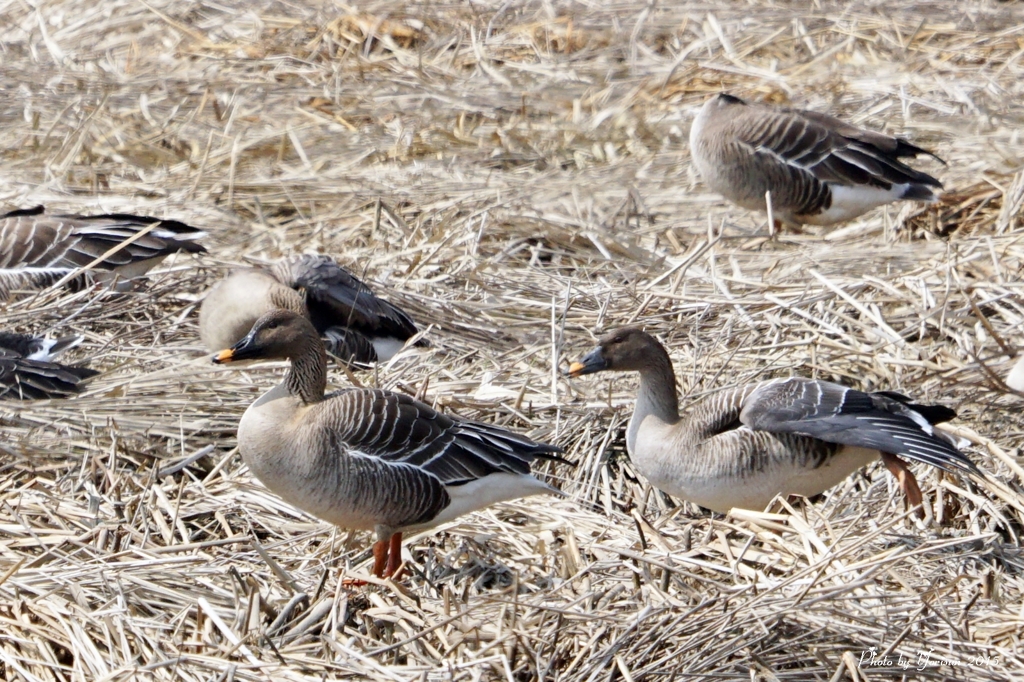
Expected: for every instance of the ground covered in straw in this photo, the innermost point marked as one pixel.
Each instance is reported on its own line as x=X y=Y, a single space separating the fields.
x=517 y=176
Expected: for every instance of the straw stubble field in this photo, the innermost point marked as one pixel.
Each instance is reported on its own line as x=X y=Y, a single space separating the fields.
x=516 y=175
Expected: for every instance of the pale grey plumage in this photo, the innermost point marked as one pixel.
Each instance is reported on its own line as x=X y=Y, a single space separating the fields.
x=356 y=325
x=368 y=458
x=37 y=249
x=819 y=170
x=740 y=448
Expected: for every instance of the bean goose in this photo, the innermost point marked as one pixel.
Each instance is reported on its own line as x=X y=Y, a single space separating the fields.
x=28 y=373
x=819 y=170
x=743 y=447
x=369 y=459
x=357 y=326
x=38 y=249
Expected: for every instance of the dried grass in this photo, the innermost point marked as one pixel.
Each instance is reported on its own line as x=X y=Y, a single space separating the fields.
x=518 y=175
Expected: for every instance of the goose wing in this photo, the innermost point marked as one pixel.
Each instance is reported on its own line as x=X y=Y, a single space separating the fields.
x=35 y=380
x=821 y=148
x=335 y=297
x=36 y=347
x=886 y=422
x=349 y=345
x=401 y=430
x=405 y=461
x=34 y=239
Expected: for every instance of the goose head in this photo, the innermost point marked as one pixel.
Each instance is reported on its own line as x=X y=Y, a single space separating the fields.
x=280 y=334
x=629 y=349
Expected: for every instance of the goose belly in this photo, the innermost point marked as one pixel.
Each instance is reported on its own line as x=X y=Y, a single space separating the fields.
x=721 y=490
x=850 y=202
x=486 y=491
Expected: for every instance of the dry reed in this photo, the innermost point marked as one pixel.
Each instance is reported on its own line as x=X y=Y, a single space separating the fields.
x=516 y=175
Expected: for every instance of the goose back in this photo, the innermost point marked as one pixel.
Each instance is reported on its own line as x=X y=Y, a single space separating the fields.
x=232 y=305
x=36 y=347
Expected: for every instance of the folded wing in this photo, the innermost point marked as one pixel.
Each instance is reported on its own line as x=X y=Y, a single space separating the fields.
x=886 y=422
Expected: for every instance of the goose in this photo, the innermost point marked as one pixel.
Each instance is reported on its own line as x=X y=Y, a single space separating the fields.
x=742 y=447
x=818 y=169
x=38 y=249
x=27 y=370
x=357 y=326
x=370 y=459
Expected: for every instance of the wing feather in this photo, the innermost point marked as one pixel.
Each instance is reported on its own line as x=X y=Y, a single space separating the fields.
x=35 y=380
x=337 y=298
x=32 y=238
x=398 y=429
x=837 y=414
x=818 y=148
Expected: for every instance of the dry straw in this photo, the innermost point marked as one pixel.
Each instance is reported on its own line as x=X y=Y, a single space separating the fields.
x=517 y=175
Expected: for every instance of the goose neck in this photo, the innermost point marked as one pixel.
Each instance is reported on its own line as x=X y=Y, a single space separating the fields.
x=657 y=395
x=656 y=398
x=307 y=377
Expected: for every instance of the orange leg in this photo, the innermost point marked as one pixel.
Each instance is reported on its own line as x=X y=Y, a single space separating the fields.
x=380 y=557
x=908 y=484
x=394 y=566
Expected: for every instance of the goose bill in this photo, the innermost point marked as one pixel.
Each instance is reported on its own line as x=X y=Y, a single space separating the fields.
x=591 y=362
x=243 y=350
x=226 y=355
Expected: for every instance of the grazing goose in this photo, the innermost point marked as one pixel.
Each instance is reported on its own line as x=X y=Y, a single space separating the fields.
x=357 y=326
x=819 y=170
x=741 y=448
x=369 y=459
x=38 y=249
x=28 y=373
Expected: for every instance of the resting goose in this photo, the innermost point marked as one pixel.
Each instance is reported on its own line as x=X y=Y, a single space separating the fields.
x=38 y=249
x=369 y=459
x=28 y=373
x=819 y=170
x=741 y=448
x=357 y=326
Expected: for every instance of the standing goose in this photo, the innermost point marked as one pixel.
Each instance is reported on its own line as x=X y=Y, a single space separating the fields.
x=819 y=170
x=38 y=249
x=28 y=373
x=743 y=447
x=357 y=326
x=369 y=459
